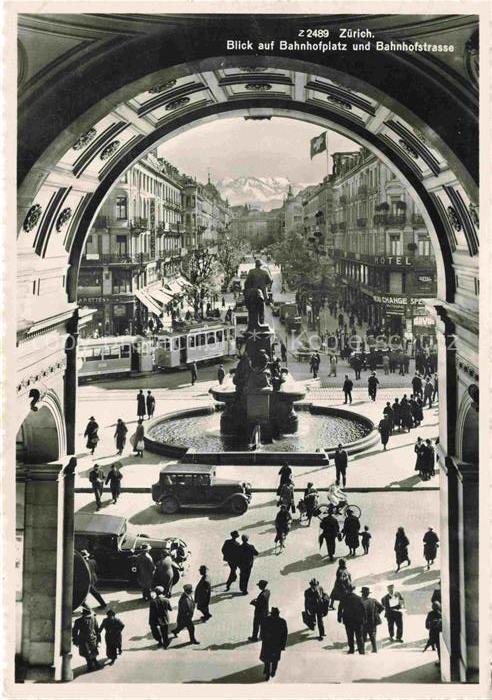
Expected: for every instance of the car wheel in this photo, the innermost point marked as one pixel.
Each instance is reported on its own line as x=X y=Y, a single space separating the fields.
x=169 y=505
x=238 y=505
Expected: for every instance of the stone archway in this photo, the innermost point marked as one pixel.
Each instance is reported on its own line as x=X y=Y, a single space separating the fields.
x=75 y=142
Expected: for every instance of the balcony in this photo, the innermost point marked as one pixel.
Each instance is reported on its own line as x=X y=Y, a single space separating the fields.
x=139 y=225
x=389 y=219
x=418 y=220
x=97 y=259
x=101 y=222
x=361 y=223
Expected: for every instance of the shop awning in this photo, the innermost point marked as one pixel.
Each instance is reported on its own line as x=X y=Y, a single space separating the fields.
x=147 y=301
x=160 y=295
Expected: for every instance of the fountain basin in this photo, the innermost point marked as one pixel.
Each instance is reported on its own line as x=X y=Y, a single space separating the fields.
x=195 y=433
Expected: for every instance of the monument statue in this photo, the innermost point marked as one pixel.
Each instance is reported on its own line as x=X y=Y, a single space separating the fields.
x=256 y=286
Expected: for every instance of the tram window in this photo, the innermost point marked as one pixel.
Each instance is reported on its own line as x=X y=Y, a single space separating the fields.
x=191 y=341
x=94 y=356
x=211 y=338
x=201 y=339
x=220 y=336
x=125 y=351
x=165 y=344
x=175 y=343
x=112 y=353
x=182 y=342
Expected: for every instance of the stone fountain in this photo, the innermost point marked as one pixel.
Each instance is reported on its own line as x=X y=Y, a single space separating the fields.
x=258 y=395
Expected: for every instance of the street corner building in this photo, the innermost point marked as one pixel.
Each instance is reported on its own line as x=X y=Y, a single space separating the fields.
x=89 y=111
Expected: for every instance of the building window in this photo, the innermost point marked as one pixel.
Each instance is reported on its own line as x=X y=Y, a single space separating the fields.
x=395 y=245
x=424 y=247
x=121 y=208
x=121 y=245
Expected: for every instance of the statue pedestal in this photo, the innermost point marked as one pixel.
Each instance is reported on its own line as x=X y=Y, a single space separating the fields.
x=258 y=406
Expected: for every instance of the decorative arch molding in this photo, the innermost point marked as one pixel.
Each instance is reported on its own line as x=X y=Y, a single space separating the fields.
x=467 y=406
x=34 y=424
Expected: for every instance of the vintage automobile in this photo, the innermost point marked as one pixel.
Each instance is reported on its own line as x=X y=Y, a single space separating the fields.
x=115 y=548
x=196 y=486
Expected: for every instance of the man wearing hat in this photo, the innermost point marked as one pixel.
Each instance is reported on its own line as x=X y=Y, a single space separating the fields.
x=351 y=613
x=372 y=610
x=230 y=554
x=393 y=605
x=164 y=571
x=92 y=566
x=186 y=609
x=96 y=477
x=274 y=640
x=315 y=604
x=85 y=637
x=145 y=567
x=262 y=607
x=159 y=608
x=247 y=554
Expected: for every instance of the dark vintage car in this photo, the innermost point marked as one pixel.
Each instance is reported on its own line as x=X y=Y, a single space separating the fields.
x=115 y=548
x=196 y=486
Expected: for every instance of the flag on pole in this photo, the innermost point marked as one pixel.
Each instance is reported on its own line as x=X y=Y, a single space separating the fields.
x=318 y=144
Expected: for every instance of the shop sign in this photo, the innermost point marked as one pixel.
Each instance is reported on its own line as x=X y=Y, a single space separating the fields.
x=423 y=321
x=426 y=279
x=119 y=310
x=392 y=300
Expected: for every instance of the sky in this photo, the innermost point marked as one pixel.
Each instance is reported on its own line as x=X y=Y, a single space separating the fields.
x=235 y=148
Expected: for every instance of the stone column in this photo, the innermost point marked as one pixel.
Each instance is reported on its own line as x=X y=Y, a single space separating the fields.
x=47 y=585
x=70 y=381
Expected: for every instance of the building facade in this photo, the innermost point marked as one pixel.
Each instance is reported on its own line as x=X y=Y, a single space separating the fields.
x=382 y=251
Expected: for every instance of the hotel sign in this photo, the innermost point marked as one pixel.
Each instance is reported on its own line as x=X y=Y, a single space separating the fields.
x=401 y=260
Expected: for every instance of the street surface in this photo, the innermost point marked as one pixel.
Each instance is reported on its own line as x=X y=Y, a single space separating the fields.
x=383 y=484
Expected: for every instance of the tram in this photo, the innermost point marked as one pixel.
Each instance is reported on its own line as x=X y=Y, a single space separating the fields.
x=115 y=355
x=199 y=343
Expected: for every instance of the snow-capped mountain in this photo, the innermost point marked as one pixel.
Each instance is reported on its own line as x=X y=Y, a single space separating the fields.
x=264 y=193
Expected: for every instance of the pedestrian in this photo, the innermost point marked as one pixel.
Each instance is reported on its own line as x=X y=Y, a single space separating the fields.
x=314 y=365
x=329 y=532
x=366 y=539
x=316 y=606
x=283 y=351
x=348 y=385
x=113 y=627
x=429 y=460
x=261 y=605
x=120 y=435
x=145 y=570
x=96 y=477
x=186 y=610
x=393 y=605
x=114 y=478
x=85 y=636
x=221 y=374
x=351 y=612
x=310 y=501
x=397 y=414
x=435 y=393
x=247 y=554
x=350 y=530
x=401 y=548
x=406 y=420
x=386 y=363
x=419 y=449
x=93 y=574
x=384 y=431
x=159 y=608
x=203 y=591
x=91 y=434
x=223 y=302
x=282 y=526
x=285 y=473
x=150 y=403
x=357 y=366
x=341 y=463
x=273 y=642
x=431 y=543
x=417 y=385
x=428 y=392
x=164 y=572
x=372 y=386
x=389 y=415
x=141 y=405
x=286 y=497
x=436 y=593
x=137 y=439
x=343 y=581
x=419 y=411
x=231 y=550
x=333 y=365
x=433 y=623
x=193 y=373
x=372 y=617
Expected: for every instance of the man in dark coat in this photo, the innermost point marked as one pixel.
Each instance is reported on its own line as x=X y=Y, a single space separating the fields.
x=231 y=550
x=316 y=606
x=120 y=435
x=96 y=477
x=341 y=461
x=431 y=543
x=428 y=460
x=348 y=385
x=384 y=431
x=114 y=478
x=329 y=532
x=388 y=413
x=372 y=610
x=310 y=501
x=357 y=366
x=85 y=636
x=397 y=414
x=159 y=608
x=193 y=373
x=274 y=640
x=428 y=393
x=247 y=554
x=372 y=386
x=145 y=571
x=92 y=566
x=393 y=604
x=351 y=529
x=150 y=401
x=164 y=573
x=262 y=606
x=141 y=405
x=91 y=434
x=417 y=385
x=113 y=628
x=203 y=591
x=351 y=612
x=186 y=609
x=221 y=374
